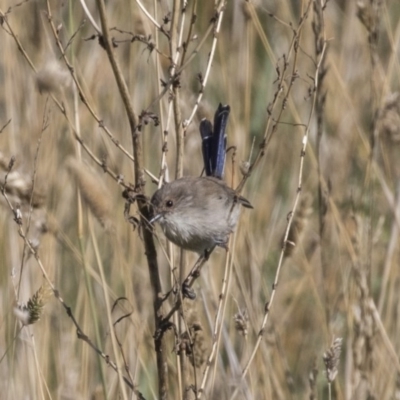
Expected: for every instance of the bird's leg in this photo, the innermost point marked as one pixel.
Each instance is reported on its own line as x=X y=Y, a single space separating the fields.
x=194 y=274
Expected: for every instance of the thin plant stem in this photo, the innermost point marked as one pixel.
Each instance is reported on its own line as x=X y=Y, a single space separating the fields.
x=269 y=304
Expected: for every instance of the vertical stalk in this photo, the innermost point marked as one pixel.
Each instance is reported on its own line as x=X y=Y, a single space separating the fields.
x=150 y=249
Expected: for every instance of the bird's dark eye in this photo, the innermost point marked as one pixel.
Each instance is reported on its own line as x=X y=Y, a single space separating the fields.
x=169 y=203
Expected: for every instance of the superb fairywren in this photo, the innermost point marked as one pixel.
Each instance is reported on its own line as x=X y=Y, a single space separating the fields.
x=199 y=213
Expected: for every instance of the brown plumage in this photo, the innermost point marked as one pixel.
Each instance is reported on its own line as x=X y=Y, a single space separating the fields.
x=197 y=214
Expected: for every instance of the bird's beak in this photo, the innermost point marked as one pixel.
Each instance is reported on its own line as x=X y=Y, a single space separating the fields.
x=155 y=218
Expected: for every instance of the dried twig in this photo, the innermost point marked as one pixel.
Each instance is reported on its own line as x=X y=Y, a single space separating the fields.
x=269 y=304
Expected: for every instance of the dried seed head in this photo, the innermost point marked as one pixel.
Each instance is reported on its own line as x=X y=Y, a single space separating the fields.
x=389 y=119
x=31 y=312
x=193 y=344
x=19 y=184
x=331 y=359
x=241 y=322
x=52 y=78
x=93 y=192
x=388 y=129
x=199 y=346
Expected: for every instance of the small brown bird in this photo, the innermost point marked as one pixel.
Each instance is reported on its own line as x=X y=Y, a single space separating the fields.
x=197 y=213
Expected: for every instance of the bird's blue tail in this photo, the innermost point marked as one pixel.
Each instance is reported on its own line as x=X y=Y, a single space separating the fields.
x=214 y=142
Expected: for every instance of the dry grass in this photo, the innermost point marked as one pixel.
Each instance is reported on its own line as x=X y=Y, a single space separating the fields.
x=290 y=71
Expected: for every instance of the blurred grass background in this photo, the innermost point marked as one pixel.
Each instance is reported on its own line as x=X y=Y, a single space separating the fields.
x=341 y=280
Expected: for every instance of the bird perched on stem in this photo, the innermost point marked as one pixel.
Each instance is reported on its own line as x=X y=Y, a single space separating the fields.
x=199 y=213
